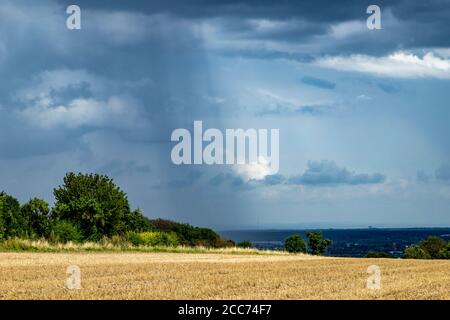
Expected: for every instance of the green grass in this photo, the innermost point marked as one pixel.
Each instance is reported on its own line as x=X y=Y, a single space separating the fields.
x=25 y=245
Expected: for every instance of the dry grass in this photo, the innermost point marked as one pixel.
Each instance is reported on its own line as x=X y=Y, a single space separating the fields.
x=217 y=276
x=26 y=245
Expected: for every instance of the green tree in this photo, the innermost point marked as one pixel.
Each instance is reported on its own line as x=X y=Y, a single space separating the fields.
x=295 y=244
x=12 y=222
x=245 y=244
x=36 y=212
x=137 y=222
x=375 y=254
x=95 y=205
x=64 y=231
x=433 y=246
x=416 y=252
x=445 y=253
x=317 y=245
x=189 y=235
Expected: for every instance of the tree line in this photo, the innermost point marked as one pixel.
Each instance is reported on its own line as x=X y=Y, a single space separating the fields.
x=432 y=247
x=316 y=244
x=90 y=207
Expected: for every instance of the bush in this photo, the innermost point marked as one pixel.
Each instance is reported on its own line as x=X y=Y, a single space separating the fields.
x=445 y=253
x=317 y=245
x=416 y=252
x=65 y=231
x=159 y=238
x=117 y=241
x=433 y=246
x=295 y=244
x=134 y=238
x=136 y=221
x=223 y=243
x=245 y=244
x=15 y=244
x=166 y=239
x=189 y=235
x=374 y=254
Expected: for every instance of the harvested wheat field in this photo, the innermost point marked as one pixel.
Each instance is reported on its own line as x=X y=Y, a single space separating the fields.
x=217 y=276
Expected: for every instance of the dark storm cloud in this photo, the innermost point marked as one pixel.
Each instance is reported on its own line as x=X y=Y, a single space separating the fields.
x=406 y=24
x=19 y=140
x=317 y=10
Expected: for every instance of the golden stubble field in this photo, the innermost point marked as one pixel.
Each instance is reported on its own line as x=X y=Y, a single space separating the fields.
x=217 y=276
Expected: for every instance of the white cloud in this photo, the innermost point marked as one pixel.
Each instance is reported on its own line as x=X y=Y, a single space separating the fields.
x=47 y=106
x=347 y=29
x=271 y=102
x=254 y=171
x=116 y=111
x=363 y=97
x=396 y=65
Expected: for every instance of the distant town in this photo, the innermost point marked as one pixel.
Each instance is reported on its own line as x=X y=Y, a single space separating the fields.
x=346 y=242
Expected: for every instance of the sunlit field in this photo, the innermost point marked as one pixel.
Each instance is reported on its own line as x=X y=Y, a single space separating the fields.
x=217 y=276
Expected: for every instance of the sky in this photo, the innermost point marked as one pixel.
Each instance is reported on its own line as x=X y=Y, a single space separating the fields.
x=362 y=114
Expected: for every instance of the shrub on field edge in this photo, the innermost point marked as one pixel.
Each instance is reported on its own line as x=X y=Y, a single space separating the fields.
x=295 y=244
x=375 y=254
x=153 y=238
x=245 y=244
x=65 y=231
x=433 y=246
x=416 y=252
x=445 y=253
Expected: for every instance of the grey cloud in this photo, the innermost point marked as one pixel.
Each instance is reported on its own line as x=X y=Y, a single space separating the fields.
x=443 y=173
x=118 y=167
x=284 y=29
x=323 y=173
x=187 y=180
x=328 y=173
x=320 y=83
x=422 y=176
x=283 y=110
x=318 y=173
x=227 y=179
x=388 y=88
x=308 y=25
x=275 y=179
